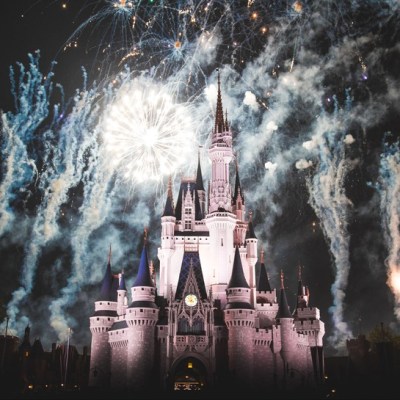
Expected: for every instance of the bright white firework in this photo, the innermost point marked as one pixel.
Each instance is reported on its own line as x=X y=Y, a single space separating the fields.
x=146 y=133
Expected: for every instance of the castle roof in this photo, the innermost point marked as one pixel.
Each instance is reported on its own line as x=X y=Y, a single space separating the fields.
x=119 y=325
x=188 y=185
x=169 y=203
x=143 y=277
x=109 y=284
x=250 y=230
x=238 y=279
x=220 y=123
x=283 y=311
x=191 y=260
x=199 y=176
x=122 y=285
x=238 y=188
x=263 y=281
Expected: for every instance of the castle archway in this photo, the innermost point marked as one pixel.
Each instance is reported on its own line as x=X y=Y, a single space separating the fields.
x=188 y=373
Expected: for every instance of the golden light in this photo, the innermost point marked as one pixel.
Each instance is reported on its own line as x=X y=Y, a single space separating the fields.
x=297 y=6
x=178 y=44
x=394 y=279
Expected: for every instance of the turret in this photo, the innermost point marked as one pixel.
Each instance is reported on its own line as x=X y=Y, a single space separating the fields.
x=168 y=221
x=302 y=292
x=239 y=209
x=200 y=188
x=265 y=294
x=251 y=247
x=239 y=317
x=121 y=295
x=141 y=317
x=100 y=323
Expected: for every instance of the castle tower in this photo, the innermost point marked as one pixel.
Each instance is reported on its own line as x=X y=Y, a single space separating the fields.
x=141 y=318
x=122 y=299
x=239 y=209
x=167 y=248
x=251 y=246
x=221 y=154
x=220 y=220
x=307 y=319
x=239 y=317
x=266 y=301
x=103 y=318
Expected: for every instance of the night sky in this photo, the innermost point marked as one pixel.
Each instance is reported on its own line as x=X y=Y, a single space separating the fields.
x=312 y=91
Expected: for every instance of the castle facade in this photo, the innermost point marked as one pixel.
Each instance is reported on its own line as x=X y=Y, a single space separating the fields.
x=208 y=320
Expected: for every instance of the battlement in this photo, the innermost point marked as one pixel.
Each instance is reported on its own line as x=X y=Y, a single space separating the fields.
x=308 y=313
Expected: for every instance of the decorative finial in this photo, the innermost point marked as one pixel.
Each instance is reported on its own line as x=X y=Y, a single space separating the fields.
x=262 y=256
x=145 y=236
x=250 y=216
x=282 y=277
x=299 y=272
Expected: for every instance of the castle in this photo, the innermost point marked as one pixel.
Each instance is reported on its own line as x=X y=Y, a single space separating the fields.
x=210 y=320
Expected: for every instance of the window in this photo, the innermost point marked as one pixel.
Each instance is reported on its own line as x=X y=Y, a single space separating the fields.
x=188 y=224
x=188 y=211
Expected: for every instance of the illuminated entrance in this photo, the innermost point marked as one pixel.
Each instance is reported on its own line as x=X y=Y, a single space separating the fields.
x=190 y=374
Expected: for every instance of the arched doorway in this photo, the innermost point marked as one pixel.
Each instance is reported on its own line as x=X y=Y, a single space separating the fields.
x=190 y=374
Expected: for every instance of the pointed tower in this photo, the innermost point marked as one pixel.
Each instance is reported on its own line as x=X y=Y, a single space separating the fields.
x=167 y=248
x=307 y=320
x=221 y=154
x=220 y=220
x=141 y=317
x=105 y=313
x=251 y=247
x=200 y=188
x=239 y=209
x=302 y=293
x=239 y=317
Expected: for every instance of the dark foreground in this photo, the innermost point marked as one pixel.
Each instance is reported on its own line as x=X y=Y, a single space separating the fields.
x=363 y=391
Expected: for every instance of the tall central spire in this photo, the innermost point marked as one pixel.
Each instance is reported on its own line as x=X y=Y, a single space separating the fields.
x=219 y=114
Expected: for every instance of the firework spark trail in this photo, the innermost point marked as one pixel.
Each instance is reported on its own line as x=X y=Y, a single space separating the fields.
x=31 y=96
x=390 y=211
x=331 y=205
x=64 y=165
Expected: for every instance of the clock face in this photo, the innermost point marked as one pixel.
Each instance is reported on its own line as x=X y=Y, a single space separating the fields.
x=191 y=300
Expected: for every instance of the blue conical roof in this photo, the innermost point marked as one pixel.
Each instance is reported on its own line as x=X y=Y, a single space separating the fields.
x=143 y=277
x=199 y=177
x=238 y=279
x=263 y=281
x=122 y=285
x=283 y=311
x=106 y=285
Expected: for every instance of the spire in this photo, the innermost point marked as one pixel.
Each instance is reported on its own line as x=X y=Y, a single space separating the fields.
x=283 y=311
x=106 y=285
x=143 y=277
x=122 y=285
x=238 y=188
x=199 y=178
x=237 y=279
x=219 y=114
x=263 y=281
x=300 y=288
x=250 y=229
x=169 y=210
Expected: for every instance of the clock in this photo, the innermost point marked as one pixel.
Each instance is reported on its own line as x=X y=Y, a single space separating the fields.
x=191 y=300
